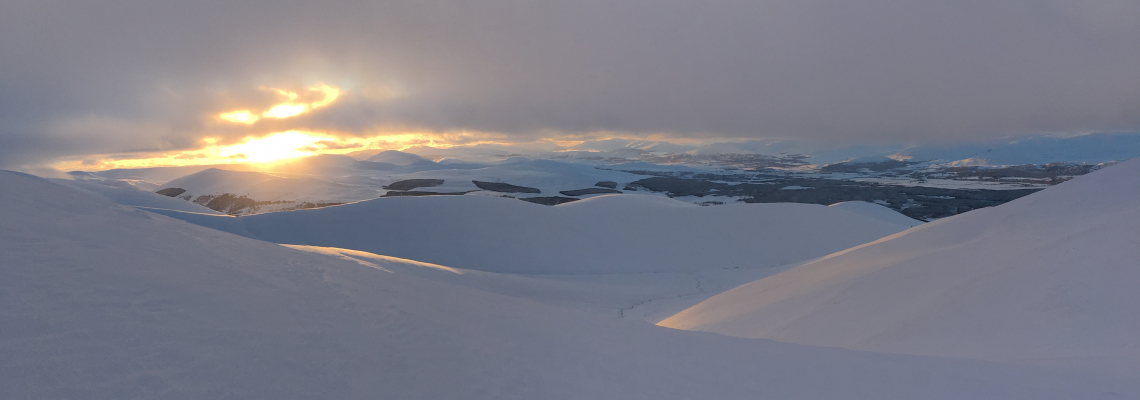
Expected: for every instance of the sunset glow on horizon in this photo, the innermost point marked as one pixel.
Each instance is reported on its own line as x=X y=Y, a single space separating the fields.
x=279 y=147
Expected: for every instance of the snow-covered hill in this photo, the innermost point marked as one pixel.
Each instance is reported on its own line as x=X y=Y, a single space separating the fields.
x=397 y=157
x=100 y=301
x=606 y=234
x=138 y=198
x=1054 y=276
x=245 y=192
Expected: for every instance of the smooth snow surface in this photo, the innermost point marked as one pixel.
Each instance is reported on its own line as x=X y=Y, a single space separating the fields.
x=606 y=234
x=1052 y=277
x=101 y=301
x=878 y=212
x=648 y=297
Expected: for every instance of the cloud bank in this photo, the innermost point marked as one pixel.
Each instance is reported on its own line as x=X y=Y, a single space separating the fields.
x=119 y=77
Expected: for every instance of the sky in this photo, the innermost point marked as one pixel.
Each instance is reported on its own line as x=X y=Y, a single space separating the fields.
x=89 y=84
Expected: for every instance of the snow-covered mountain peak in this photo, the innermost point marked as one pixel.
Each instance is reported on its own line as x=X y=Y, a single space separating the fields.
x=397 y=157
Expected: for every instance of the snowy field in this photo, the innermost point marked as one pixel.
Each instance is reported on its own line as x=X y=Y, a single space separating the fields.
x=484 y=297
x=629 y=256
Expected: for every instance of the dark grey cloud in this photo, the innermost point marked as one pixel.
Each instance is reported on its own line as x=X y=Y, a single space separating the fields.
x=123 y=76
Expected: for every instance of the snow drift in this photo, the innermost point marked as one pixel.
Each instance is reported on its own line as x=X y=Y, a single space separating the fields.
x=1051 y=276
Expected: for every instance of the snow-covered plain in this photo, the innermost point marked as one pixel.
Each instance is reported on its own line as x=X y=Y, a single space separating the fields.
x=612 y=234
x=1050 y=278
x=102 y=301
x=648 y=297
x=627 y=256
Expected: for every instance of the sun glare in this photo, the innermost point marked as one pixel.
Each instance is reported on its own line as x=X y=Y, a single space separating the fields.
x=271 y=148
x=239 y=117
x=285 y=111
x=281 y=146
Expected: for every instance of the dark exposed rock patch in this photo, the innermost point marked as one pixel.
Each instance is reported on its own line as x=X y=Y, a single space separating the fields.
x=583 y=192
x=607 y=184
x=421 y=193
x=923 y=203
x=1049 y=174
x=549 y=201
x=504 y=187
x=228 y=203
x=307 y=205
x=410 y=184
x=171 y=192
x=879 y=166
x=738 y=161
x=677 y=187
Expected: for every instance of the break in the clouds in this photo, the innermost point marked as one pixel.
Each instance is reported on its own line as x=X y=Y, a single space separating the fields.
x=118 y=77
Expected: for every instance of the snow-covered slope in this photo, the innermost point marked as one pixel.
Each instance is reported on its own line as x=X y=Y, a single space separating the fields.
x=878 y=212
x=605 y=234
x=138 y=198
x=1054 y=275
x=100 y=301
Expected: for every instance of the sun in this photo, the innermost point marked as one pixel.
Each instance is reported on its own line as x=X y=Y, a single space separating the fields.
x=239 y=117
x=280 y=146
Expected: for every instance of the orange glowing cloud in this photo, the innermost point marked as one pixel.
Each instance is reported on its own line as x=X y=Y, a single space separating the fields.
x=285 y=111
x=290 y=108
x=278 y=146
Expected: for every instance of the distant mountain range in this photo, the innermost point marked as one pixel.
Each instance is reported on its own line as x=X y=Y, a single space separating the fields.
x=924 y=182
